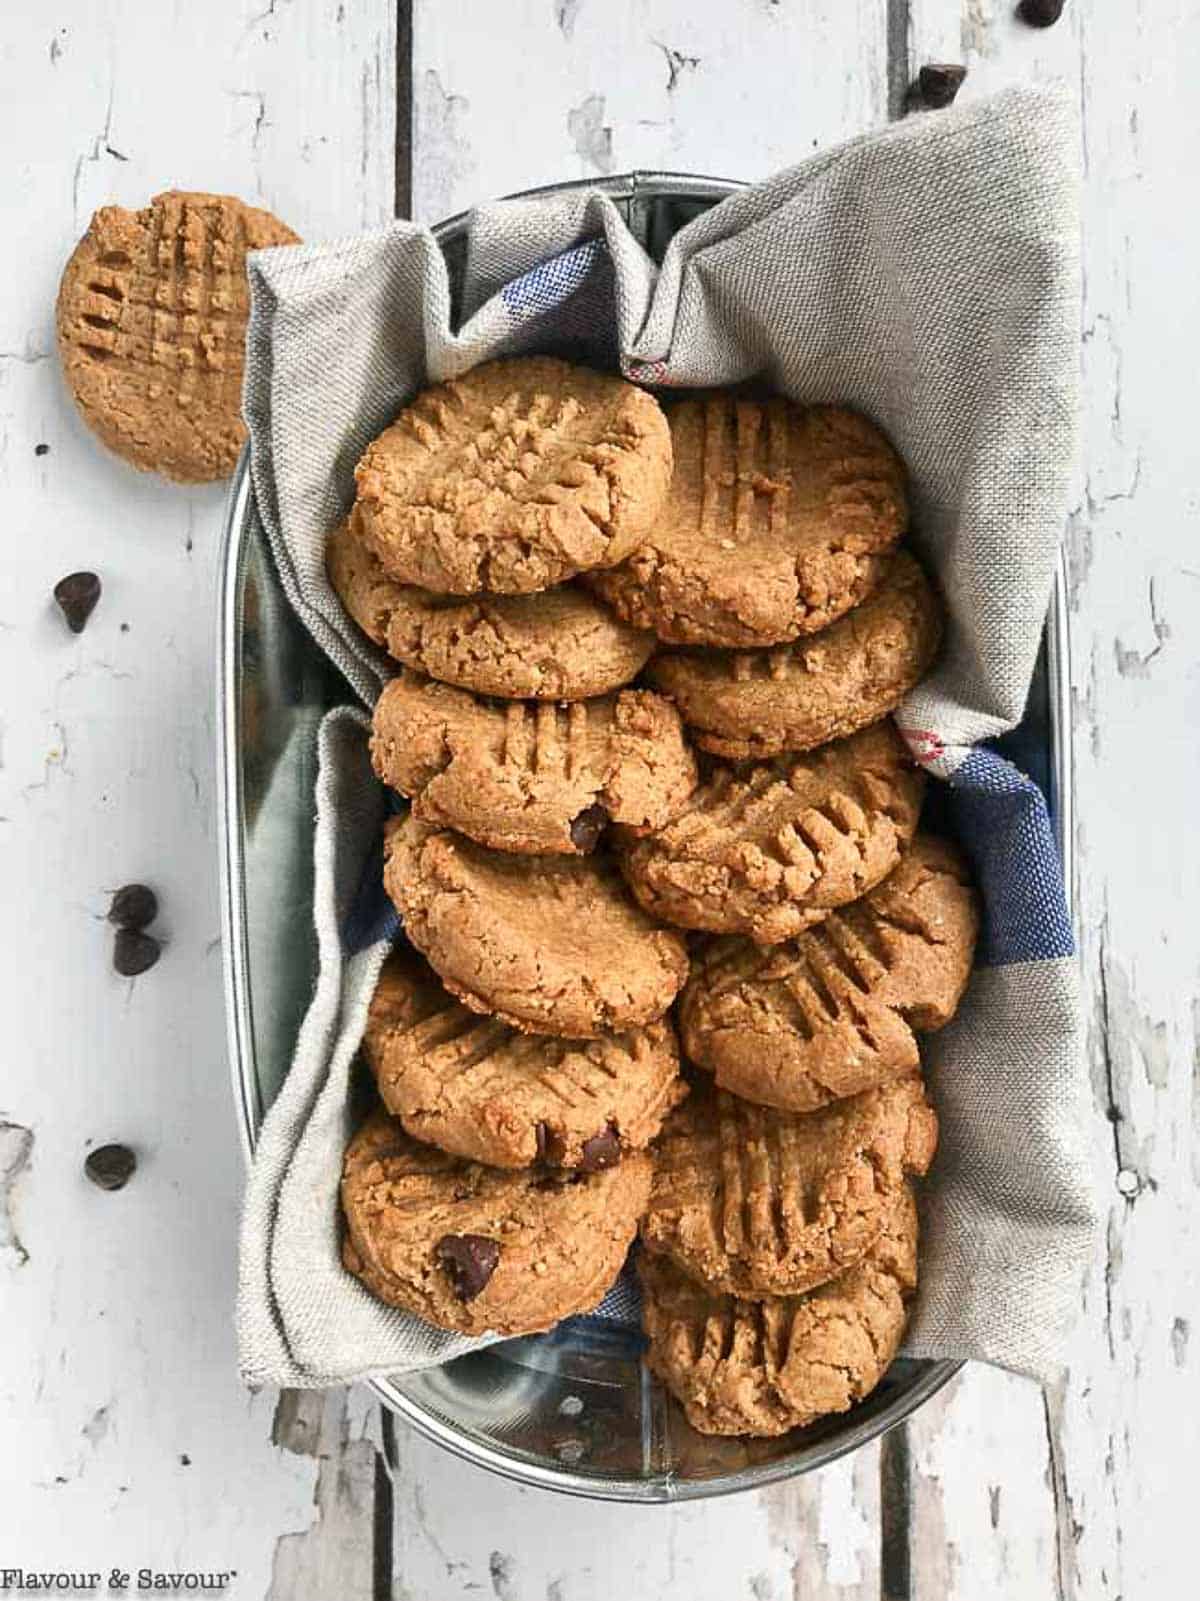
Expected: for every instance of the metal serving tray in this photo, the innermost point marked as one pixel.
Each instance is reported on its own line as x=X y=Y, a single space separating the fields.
x=573 y=1410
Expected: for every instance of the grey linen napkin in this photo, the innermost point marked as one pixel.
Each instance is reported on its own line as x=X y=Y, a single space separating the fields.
x=928 y=275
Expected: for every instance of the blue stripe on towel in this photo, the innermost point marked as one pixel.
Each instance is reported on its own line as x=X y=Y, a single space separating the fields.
x=1003 y=823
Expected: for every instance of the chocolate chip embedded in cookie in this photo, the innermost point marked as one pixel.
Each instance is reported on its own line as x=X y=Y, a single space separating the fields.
x=780 y=519
x=553 y=945
x=756 y=1202
x=477 y=1088
x=151 y=322
x=514 y=477
x=562 y=644
x=832 y=1012
x=532 y=777
x=768 y=850
x=764 y=1367
x=752 y=704
x=476 y=1249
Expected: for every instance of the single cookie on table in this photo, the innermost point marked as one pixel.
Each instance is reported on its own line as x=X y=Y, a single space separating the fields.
x=477 y=1088
x=755 y=1202
x=770 y=849
x=151 y=322
x=751 y=704
x=764 y=1367
x=833 y=1012
x=562 y=644
x=779 y=520
x=533 y=777
x=551 y=944
x=514 y=477
x=478 y=1249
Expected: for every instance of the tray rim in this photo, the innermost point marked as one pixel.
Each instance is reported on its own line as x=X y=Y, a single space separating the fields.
x=661 y=1489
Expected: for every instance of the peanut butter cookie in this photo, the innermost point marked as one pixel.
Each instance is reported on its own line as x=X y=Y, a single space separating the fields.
x=151 y=323
x=551 y=944
x=755 y=1203
x=477 y=1088
x=780 y=519
x=756 y=703
x=536 y=778
x=770 y=849
x=563 y=644
x=477 y=1249
x=832 y=1012
x=514 y=477
x=764 y=1367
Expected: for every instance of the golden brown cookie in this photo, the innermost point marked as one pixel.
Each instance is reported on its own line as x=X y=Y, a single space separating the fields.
x=477 y=1088
x=151 y=323
x=764 y=1367
x=477 y=1249
x=751 y=704
x=755 y=1202
x=770 y=849
x=563 y=644
x=832 y=1012
x=519 y=474
x=533 y=777
x=551 y=944
x=779 y=520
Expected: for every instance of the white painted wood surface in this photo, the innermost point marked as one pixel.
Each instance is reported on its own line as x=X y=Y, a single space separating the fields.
x=128 y=1439
x=118 y=1357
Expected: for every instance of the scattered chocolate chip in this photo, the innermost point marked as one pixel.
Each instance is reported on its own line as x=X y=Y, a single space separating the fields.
x=938 y=83
x=587 y=828
x=134 y=952
x=77 y=595
x=133 y=906
x=185 y=1460
x=110 y=1167
x=41 y=450
x=1040 y=13
x=602 y=1150
x=469 y=1260
x=124 y=628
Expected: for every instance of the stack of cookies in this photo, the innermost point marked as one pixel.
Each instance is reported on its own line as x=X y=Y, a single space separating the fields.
x=737 y=832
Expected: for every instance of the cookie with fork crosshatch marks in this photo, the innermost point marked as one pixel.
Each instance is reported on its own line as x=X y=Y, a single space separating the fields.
x=755 y=1202
x=551 y=944
x=562 y=644
x=770 y=849
x=833 y=1012
x=780 y=519
x=514 y=477
x=479 y=1249
x=151 y=324
x=477 y=1088
x=532 y=777
x=764 y=1367
x=749 y=704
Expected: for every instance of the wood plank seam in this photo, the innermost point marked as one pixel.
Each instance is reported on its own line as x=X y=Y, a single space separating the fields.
x=404 y=108
x=899 y=73
x=895 y=1463
x=895 y=1516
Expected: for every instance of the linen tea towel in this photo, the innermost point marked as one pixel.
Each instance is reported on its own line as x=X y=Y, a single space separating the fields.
x=927 y=275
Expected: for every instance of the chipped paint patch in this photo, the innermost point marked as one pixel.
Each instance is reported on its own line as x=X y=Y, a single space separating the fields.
x=335 y=1554
x=16 y=1154
x=593 y=141
x=443 y=161
x=96 y=1428
x=566 y=14
x=1181 y=1331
